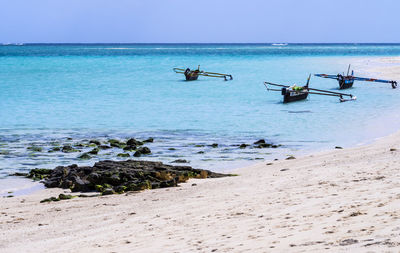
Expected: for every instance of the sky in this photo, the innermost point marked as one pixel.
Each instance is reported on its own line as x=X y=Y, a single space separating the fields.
x=205 y=21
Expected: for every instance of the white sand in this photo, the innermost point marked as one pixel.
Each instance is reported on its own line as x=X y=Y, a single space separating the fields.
x=338 y=200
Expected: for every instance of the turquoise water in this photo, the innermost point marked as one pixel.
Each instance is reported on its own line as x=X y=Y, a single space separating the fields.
x=51 y=92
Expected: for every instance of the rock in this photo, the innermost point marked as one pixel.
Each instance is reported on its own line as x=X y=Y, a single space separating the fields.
x=142 y=151
x=94 y=151
x=35 y=148
x=123 y=155
x=39 y=174
x=121 y=189
x=145 y=150
x=214 y=145
x=5 y=152
x=19 y=174
x=171 y=148
x=243 y=146
x=60 y=197
x=113 y=141
x=109 y=177
x=50 y=200
x=98 y=143
x=129 y=148
x=393 y=149
x=180 y=161
x=261 y=141
x=104 y=147
x=85 y=156
x=290 y=158
x=263 y=145
x=55 y=143
x=134 y=142
x=199 y=146
x=149 y=140
x=68 y=149
x=203 y=174
x=80 y=184
x=116 y=143
x=337 y=147
x=108 y=191
x=64 y=197
x=54 y=149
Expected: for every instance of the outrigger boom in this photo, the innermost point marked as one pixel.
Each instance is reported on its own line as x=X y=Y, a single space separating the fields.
x=199 y=72
x=346 y=81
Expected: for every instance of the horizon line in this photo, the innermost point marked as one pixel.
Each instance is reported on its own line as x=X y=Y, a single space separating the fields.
x=197 y=43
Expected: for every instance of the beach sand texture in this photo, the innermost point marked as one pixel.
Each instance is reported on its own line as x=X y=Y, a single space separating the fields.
x=334 y=201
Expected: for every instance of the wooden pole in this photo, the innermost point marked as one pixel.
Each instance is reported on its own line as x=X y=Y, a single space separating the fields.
x=279 y=85
x=338 y=93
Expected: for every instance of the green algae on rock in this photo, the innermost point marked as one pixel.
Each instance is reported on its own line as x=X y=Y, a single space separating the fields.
x=85 y=156
x=39 y=174
x=123 y=155
x=35 y=148
x=109 y=177
x=69 y=149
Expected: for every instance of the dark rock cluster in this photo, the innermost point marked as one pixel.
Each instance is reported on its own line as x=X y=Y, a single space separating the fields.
x=260 y=144
x=109 y=177
x=130 y=145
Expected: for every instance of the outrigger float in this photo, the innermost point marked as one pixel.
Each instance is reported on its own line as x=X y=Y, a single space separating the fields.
x=192 y=75
x=296 y=93
x=346 y=81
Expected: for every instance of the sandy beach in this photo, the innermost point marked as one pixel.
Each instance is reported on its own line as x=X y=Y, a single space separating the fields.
x=333 y=201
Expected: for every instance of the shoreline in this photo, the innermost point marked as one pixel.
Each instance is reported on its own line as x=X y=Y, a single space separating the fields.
x=330 y=200
x=219 y=159
x=291 y=205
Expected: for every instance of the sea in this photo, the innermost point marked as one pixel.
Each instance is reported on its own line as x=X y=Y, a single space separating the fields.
x=67 y=94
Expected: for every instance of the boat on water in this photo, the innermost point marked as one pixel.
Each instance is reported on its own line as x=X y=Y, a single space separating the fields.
x=347 y=81
x=296 y=93
x=292 y=94
x=192 y=75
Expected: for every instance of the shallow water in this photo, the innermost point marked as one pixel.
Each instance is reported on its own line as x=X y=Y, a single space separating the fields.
x=49 y=93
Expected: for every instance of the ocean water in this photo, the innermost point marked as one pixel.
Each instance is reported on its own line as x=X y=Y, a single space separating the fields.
x=72 y=93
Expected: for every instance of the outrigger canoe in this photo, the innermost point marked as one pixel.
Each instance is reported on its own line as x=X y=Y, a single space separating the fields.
x=192 y=75
x=347 y=81
x=297 y=93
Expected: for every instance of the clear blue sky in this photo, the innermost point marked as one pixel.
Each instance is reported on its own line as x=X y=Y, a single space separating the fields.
x=169 y=21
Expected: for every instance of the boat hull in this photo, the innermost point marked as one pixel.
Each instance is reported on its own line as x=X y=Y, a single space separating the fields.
x=191 y=76
x=345 y=84
x=292 y=96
